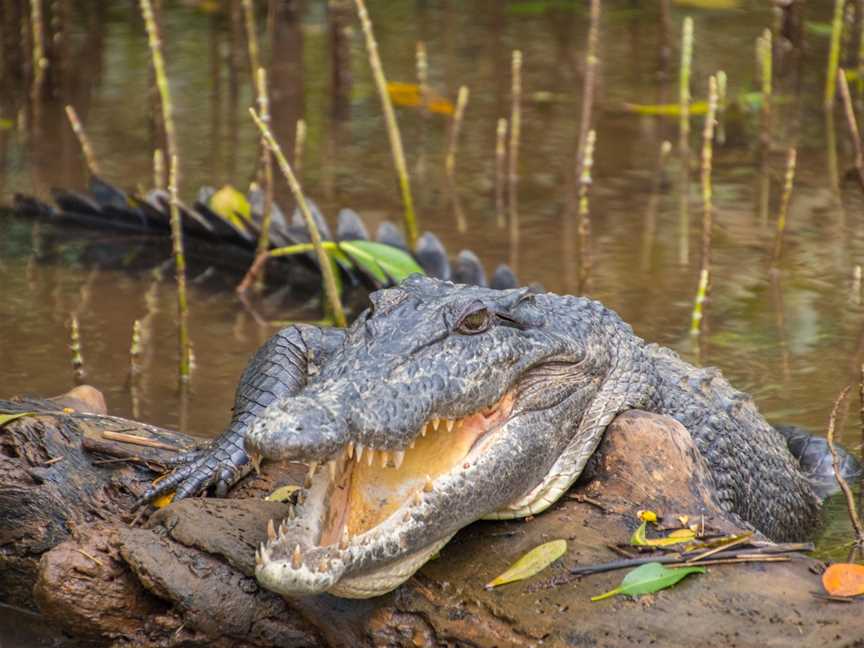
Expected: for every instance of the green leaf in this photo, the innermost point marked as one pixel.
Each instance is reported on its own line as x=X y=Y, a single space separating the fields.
x=232 y=206
x=531 y=563
x=818 y=28
x=649 y=578
x=383 y=262
x=8 y=418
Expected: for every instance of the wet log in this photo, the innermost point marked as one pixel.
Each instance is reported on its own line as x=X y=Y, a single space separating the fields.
x=71 y=548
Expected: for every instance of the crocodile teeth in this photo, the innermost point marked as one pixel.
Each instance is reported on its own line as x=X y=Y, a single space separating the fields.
x=398 y=458
x=436 y=422
x=265 y=552
x=412 y=444
x=296 y=557
x=350 y=449
x=331 y=466
x=258 y=560
x=428 y=487
x=407 y=517
x=312 y=468
x=271 y=530
x=416 y=500
x=345 y=540
x=425 y=429
x=359 y=454
x=385 y=458
x=450 y=424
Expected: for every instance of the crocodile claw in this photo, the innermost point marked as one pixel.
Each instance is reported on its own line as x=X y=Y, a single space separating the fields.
x=218 y=465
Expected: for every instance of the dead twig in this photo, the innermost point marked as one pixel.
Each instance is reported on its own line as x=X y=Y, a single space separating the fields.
x=134 y=439
x=844 y=486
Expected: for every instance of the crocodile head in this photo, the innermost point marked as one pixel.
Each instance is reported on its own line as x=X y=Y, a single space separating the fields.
x=446 y=404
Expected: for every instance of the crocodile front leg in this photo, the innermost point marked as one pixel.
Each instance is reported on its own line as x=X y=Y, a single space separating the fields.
x=278 y=369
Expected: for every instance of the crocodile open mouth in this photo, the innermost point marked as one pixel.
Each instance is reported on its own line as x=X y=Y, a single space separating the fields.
x=364 y=501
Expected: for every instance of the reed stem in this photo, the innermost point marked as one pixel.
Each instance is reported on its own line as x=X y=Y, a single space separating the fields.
x=852 y=123
x=299 y=146
x=83 y=140
x=423 y=77
x=267 y=165
x=684 y=86
x=392 y=126
x=783 y=215
x=707 y=209
x=834 y=54
x=765 y=54
x=135 y=349
x=158 y=169
x=75 y=346
x=589 y=83
x=452 y=148
x=251 y=39
x=500 y=170
x=327 y=271
x=587 y=158
x=721 y=107
x=173 y=172
x=513 y=180
x=40 y=62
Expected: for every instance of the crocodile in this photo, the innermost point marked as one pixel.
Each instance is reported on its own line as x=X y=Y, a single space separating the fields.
x=443 y=404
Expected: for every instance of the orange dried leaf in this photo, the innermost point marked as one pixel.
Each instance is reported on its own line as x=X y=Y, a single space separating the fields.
x=163 y=501
x=844 y=579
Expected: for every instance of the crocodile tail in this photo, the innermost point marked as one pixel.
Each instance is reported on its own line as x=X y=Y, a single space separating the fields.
x=814 y=458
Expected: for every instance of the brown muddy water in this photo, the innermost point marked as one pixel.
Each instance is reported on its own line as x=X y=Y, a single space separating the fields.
x=792 y=340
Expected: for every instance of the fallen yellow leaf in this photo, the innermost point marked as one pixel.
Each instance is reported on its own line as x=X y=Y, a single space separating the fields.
x=282 y=494
x=531 y=563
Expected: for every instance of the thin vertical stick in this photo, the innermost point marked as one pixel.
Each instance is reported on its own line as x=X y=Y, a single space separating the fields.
x=456 y=127
x=765 y=53
x=327 y=272
x=392 y=126
x=860 y=66
x=173 y=162
x=834 y=54
x=251 y=39
x=450 y=158
x=299 y=145
x=75 y=347
x=500 y=170
x=158 y=169
x=135 y=349
x=721 y=107
x=423 y=76
x=40 y=63
x=513 y=180
x=653 y=201
x=267 y=160
x=588 y=84
x=584 y=211
x=707 y=209
x=852 y=122
x=684 y=141
x=684 y=86
x=83 y=140
x=788 y=184
x=838 y=475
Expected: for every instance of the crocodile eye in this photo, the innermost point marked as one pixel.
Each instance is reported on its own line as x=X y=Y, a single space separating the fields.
x=474 y=322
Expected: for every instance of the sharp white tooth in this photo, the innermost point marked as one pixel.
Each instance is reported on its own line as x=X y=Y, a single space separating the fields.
x=370 y=457
x=428 y=487
x=436 y=422
x=345 y=540
x=417 y=500
x=413 y=443
x=265 y=553
x=359 y=453
x=296 y=558
x=331 y=465
x=398 y=458
x=350 y=449
x=425 y=429
x=271 y=530
x=385 y=458
x=258 y=560
x=450 y=424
